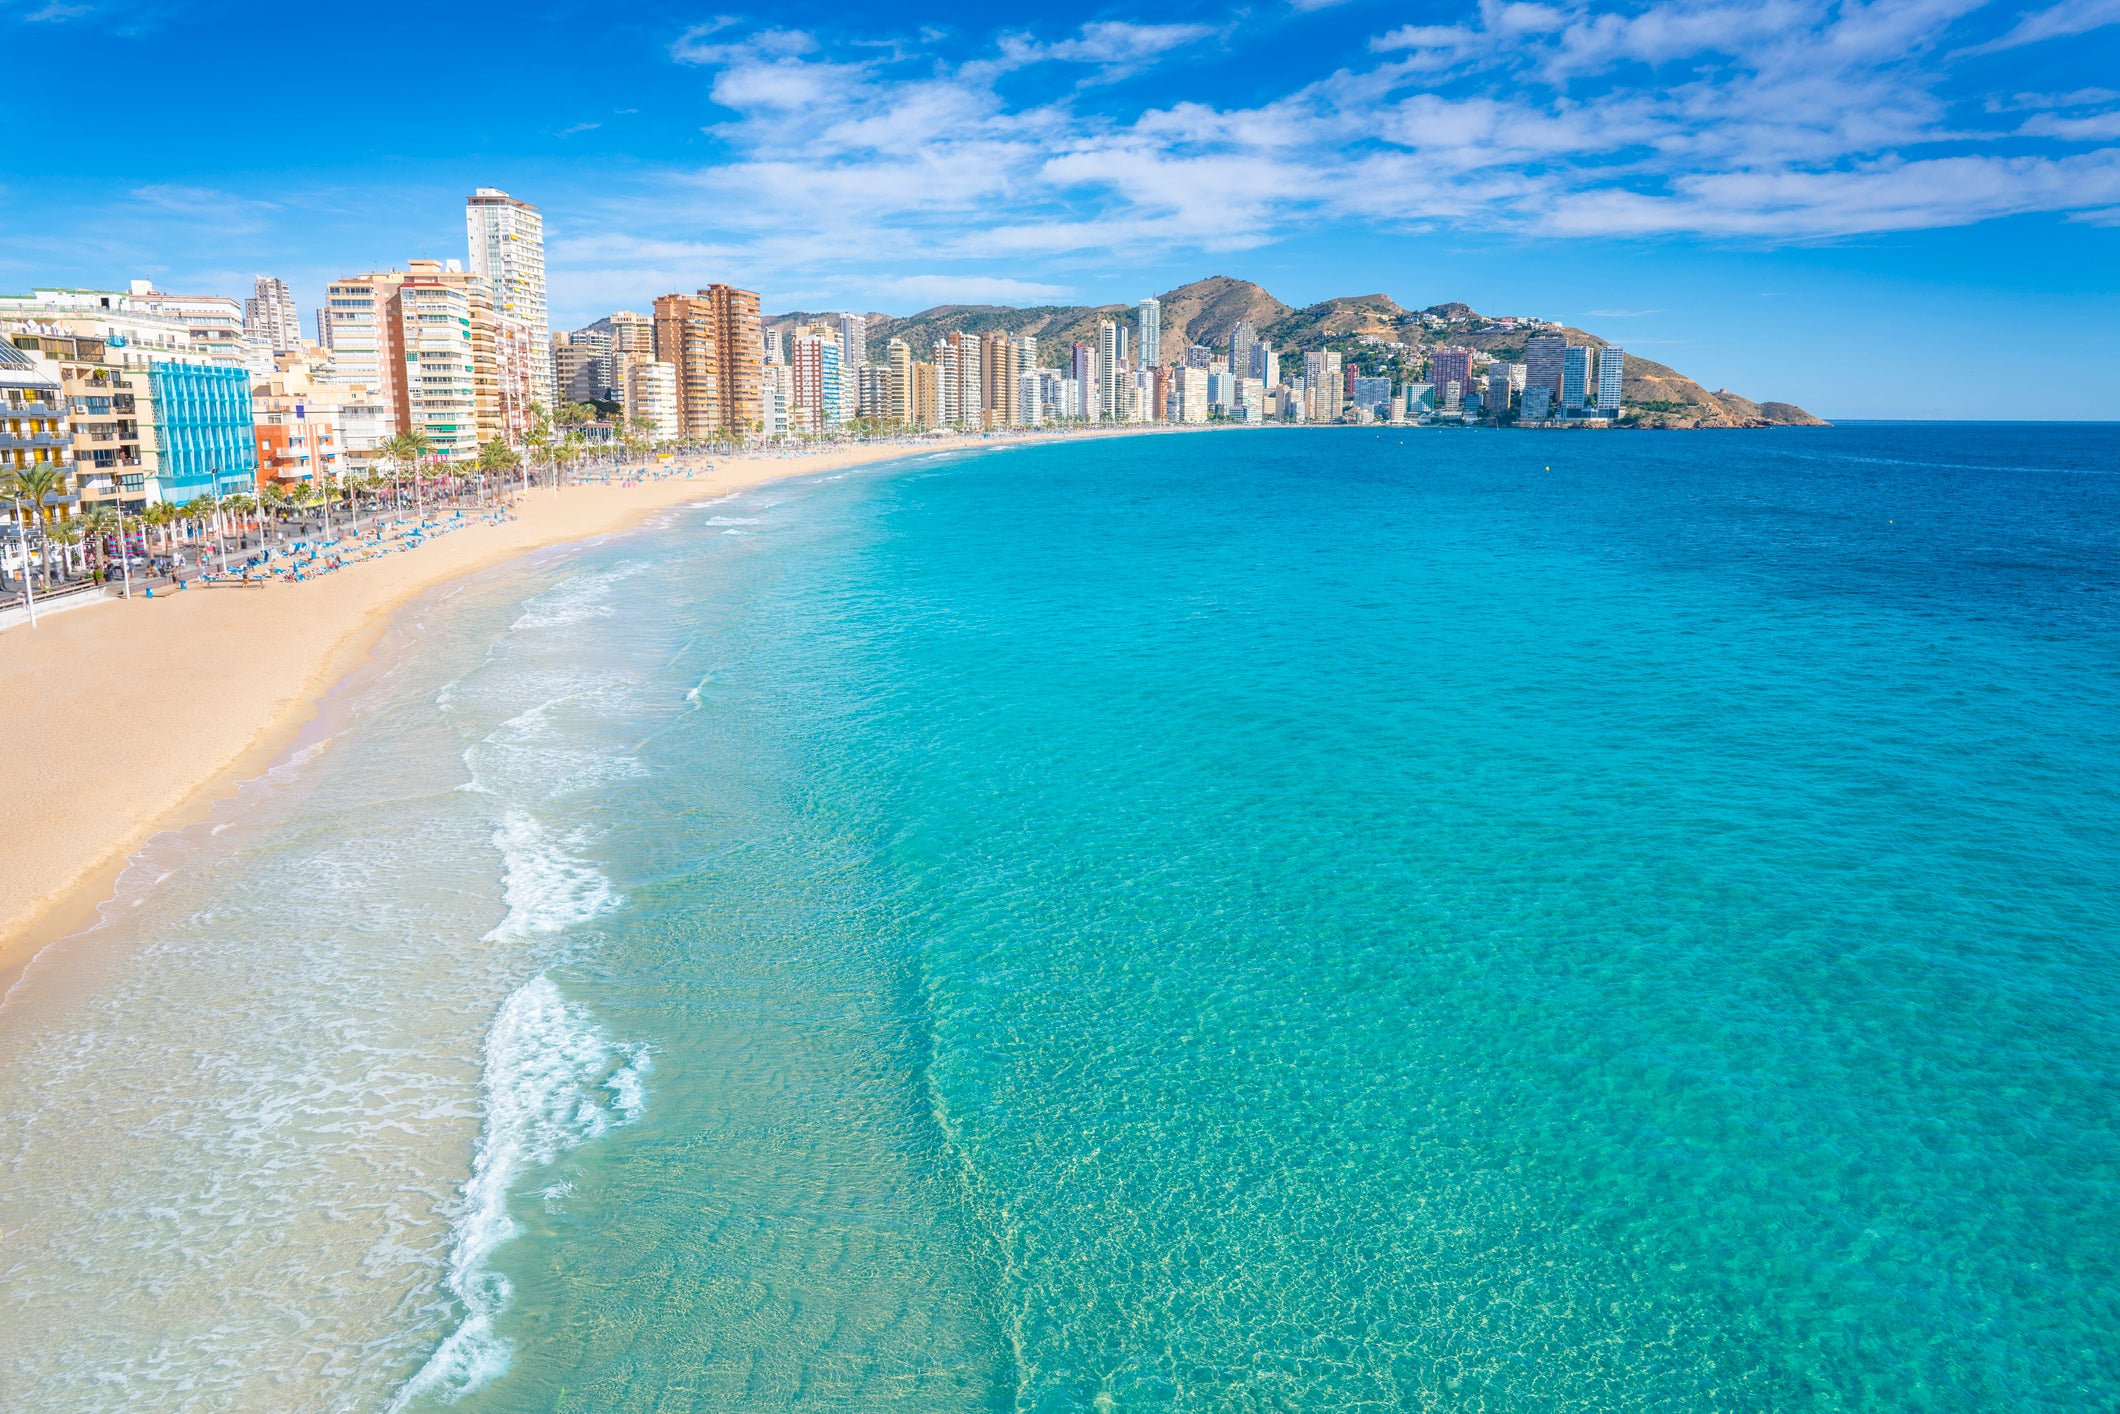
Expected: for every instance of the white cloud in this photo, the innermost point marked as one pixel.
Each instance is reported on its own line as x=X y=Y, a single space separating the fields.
x=1757 y=120
x=2095 y=127
x=2070 y=17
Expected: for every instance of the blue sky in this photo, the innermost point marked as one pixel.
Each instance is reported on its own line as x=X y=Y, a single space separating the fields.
x=1867 y=209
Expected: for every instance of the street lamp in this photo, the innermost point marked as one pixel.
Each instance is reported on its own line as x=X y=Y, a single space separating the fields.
x=25 y=537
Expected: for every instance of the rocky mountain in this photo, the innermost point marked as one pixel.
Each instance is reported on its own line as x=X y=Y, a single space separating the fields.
x=1206 y=311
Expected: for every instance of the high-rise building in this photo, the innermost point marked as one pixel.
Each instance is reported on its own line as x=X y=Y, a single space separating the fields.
x=270 y=320
x=1611 y=375
x=962 y=371
x=602 y=355
x=684 y=339
x=814 y=355
x=507 y=243
x=438 y=326
x=423 y=350
x=1266 y=364
x=1450 y=365
x=997 y=380
x=872 y=399
x=1004 y=360
x=1374 y=394
x=1537 y=403
x=1107 y=369
x=1324 y=385
x=1199 y=356
x=1242 y=340
x=1192 y=394
x=1083 y=369
x=949 y=384
x=1543 y=355
x=364 y=366
x=1577 y=380
x=854 y=339
x=651 y=399
x=900 y=355
x=774 y=346
x=1149 y=315
x=741 y=352
x=581 y=365
x=1498 y=389
x=777 y=397
x=927 y=395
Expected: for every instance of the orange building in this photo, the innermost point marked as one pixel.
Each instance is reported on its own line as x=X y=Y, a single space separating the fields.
x=295 y=422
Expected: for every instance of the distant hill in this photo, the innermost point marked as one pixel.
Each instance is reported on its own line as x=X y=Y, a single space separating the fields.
x=1206 y=311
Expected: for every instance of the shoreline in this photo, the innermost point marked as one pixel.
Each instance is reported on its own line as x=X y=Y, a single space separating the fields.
x=138 y=720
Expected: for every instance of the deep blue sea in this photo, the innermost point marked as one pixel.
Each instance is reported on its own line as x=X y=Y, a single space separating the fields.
x=1308 y=920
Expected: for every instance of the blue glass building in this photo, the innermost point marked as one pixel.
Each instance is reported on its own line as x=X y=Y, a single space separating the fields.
x=202 y=427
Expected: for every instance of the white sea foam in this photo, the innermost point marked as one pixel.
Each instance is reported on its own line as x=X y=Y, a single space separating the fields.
x=529 y=752
x=577 y=600
x=545 y=883
x=553 y=1081
x=735 y=520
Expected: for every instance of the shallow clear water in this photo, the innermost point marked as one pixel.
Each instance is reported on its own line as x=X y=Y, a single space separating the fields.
x=1312 y=920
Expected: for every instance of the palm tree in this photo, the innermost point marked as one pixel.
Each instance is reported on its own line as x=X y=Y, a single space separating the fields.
x=33 y=490
x=157 y=518
x=408 y=449
x=65 y=534
x=99 y=525
x=496 y=458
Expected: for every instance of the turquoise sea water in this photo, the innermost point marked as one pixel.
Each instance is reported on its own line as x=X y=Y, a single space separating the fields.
x=1310 y=920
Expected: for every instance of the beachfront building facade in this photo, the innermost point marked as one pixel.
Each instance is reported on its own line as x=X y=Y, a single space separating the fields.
x=295 y=426
x=1191 y=384
x=438 y=390
x=715 y=342
x=100 y=345
x=203 y=430
x=33 y=424
x=651 y=400
x=507 y=248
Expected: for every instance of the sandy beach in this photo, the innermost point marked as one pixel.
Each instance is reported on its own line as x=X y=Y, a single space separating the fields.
x=135 y=716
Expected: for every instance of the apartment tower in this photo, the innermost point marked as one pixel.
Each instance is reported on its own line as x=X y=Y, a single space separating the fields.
x=507 y=242
x=270 y=320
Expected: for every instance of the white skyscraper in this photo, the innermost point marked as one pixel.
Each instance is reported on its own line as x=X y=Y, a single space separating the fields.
x=270 y=320
x=507 y=240
x=1151 y=320
x=854 y=339
x=1611 y=370
x=1107 y=368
